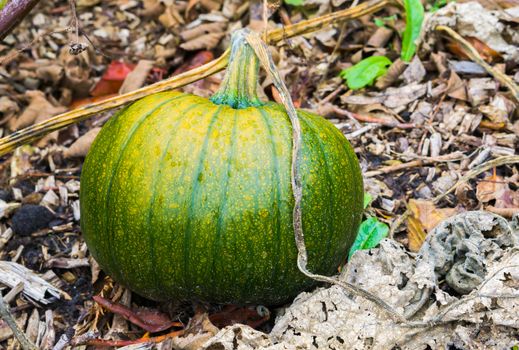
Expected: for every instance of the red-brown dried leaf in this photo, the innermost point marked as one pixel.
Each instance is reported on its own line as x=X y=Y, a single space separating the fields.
x=85 y=101
x=495 y=188
x=156 y=74
x=487 y=53
x=112 y=78
x=199 y=59
x=232 y=314
x=150 y=320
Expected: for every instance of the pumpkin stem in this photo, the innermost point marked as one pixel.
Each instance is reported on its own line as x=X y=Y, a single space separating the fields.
x=239 y=86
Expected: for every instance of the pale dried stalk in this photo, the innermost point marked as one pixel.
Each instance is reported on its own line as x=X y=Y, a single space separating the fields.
x=6 y=315
x=476 y=57
x=318 y=23
x=24 y=136
x=414 y=163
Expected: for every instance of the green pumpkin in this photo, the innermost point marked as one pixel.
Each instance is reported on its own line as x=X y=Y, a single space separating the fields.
x=188 y=198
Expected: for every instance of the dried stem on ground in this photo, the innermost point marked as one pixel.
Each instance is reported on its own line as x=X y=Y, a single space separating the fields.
x=476 y=57
x=478 y=170
x=6 y=315
x=371 y=119
x=9 y=143
x=414 y=163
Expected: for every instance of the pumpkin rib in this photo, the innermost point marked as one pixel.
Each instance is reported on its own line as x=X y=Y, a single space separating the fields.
x=134 y=271
x=115 y=169
x=224 y=195
x=258 y=207
x=112 y=121
x=287 y=242
x=251 y=244
x=354 y=167
x=324 y=157
x=275 y=180
x=154 y=183
x=194 y=192
x=172 y=246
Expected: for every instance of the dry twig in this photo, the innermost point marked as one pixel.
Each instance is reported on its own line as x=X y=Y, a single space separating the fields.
x=474 y=55
x=6 y=315
x=413 y=164
x=478 y=170
x=371 y=119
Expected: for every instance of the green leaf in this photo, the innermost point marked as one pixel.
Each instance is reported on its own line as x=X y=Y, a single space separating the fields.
x=379 y=22
x=365 y=72
x=414 y=14
x=438 y=4
x=367 y=199
x=294 y=2
x=3 y=3
x=382 y=21
x=371 y=232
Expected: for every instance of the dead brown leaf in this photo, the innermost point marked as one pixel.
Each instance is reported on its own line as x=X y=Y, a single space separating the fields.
x=456 y=87
x=205 y=36
x=136 y=78
x=496 y=188
x=415 y=234
x=380 y=37
x=50 y=72
x=424 y=217
x=415 y=71
x=427 y=213
x=77 y=71
x=171 y=17
x=152 y=8
x=8 y=108
x=487 y=53
x=190 y=6
x=81 y=146
x=38 y=110
x=207 y=42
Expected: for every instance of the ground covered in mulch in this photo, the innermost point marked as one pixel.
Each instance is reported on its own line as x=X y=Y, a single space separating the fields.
x=421 y=133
